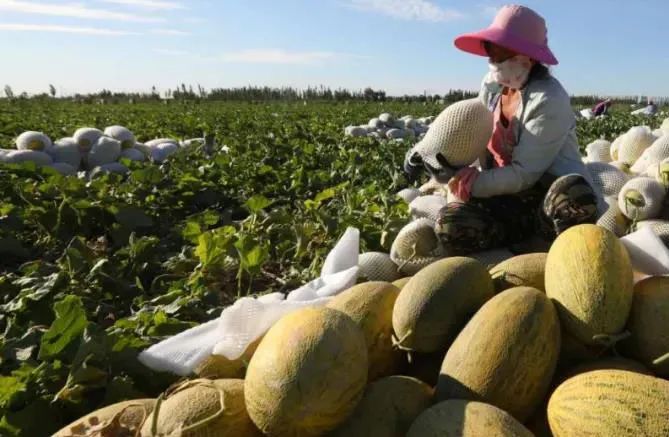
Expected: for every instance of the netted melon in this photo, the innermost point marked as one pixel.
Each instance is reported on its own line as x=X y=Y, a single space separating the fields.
x=606 y=403
x=648 y=323
x=598 y=151
x=462 y=418
x=427 y=206
x=506 y=355
x=437 y=301
x=416 y=246
x=377 y=266
x=613 y=219
x=400 y=283
x=32 y=140
x=121 y=419
x=370 y=306
x=521 y=270
x=607 y=180
x=220 y=367
x=641 y=198
x=388 y=408
x=633 y=144
x=589 y=276
x=201 y=408
x=308 y=373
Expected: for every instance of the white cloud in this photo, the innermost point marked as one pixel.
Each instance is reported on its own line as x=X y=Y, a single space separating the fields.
x=149 y=4
x=13 y=27
x=418 y=10
x=279 y=56
x=73 y=10
x=170 y=32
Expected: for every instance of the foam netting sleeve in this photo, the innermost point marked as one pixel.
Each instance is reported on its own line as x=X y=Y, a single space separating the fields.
x=416 y=246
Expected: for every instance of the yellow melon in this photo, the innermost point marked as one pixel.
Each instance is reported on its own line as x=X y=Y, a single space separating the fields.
x=522 y=270
x=220 y=367
x=122 y=418
x=308 y=373
x=400 y=283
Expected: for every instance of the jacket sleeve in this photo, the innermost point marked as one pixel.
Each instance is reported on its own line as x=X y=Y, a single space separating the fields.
x=545 y=128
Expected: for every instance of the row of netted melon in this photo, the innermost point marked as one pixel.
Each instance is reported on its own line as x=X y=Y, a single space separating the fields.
x=453 y=350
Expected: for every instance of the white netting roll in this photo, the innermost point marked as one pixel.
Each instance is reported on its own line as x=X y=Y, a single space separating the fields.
x=598 y=151
x=613 y=219
x=377 y=266
x=427 y=206
x=416 y=246
x=633 y=143
x=641 y=198
x=460 y=133
x=657 y=151
x=607 y=179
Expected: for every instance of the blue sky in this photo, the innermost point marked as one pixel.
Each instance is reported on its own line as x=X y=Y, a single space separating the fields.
x=609 y=47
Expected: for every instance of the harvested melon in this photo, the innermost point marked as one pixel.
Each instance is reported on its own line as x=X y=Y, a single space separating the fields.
x=86 y=137
x=220 y=367
x=400 y=283
x=308 y=373
x=21 y=156
x=437 y=302
x=388 y=408
x=377 y=266
x=66 y=150
x=521 y=270
x=121 y=134
x=648 y=323
x=641 y=198
x=416 y=246
x=613 y=219
x=200 y=408
x=120 y=419
x=589 y=276
x=105 y=150
x=606 y=403
x=506 y=355
x=463 y=418
x=370 y=306
x=32 y=140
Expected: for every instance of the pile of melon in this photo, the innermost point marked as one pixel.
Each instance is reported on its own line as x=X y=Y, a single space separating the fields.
x=91 y=151
x=561 y=343
x=387 y=126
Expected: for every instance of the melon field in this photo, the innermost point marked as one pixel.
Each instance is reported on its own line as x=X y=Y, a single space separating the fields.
x=94 y=271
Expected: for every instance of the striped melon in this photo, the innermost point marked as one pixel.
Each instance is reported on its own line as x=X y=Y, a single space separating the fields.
x=589 y=276
x=462 y=418
x=388 y=408
x=201 y=408
x=308 y=373
x=607 y=403
x=648 y=323
x=437 y=301
x=522 y=270
x=129 y=414
x=370 y=305
x=506 y=355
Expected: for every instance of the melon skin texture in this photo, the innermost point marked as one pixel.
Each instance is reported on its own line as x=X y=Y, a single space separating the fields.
x=388 y=408
x=218 y=406
x=437 y=302
x=506 y=355
x=308 y=373
x=648 y=323
x=607 y=403
x=462 y=418
x=400 y=283
x=589 y=277
x=220 y=367
x=370 y=306
x=132 y=414
x=522 y=270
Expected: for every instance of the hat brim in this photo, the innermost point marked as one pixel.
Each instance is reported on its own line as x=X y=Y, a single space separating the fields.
x=473 y=43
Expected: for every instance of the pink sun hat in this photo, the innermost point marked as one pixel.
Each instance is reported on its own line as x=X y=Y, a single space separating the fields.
x=516 y=28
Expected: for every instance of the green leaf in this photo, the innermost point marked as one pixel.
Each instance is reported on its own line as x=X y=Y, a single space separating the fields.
x=251 y=254
x=213 y=246
x=10 y=388
x=68 y=326
x=257 y=203
x=132 y=217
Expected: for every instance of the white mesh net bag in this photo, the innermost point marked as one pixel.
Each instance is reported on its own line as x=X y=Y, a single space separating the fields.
x=641 y=198
x=460 y=134
x=427 y=206
x=615 y=146
x=633 y=143
x=622 y=166
x=416 y=246
x=660 y=172
x=377 y=266
x=607 y=179
x=598 y=151
x=613 y=219
x=408 y=194
x=657 y=152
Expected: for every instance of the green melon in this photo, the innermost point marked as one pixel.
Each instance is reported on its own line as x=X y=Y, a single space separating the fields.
x=506 y=355
x=462 y=418
x=589 y=276
x=388 y=409
x=523 y=270
x=437 y=301
x=308 y=373
x=370 y=305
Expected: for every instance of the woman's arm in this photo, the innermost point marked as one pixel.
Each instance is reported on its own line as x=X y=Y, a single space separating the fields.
x=546 y=126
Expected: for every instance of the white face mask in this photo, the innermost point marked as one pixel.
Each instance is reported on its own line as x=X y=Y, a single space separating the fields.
x=513 y=72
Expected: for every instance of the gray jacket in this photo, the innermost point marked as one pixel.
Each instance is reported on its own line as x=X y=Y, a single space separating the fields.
x=545 y=139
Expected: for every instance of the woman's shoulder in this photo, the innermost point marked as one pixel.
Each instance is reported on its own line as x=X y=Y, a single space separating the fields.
x=547 y=87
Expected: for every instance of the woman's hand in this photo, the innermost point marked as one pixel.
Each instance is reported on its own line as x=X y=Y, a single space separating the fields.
x=461 y=184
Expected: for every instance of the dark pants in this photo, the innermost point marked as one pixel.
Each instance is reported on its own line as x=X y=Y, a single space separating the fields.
x=545 y=210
